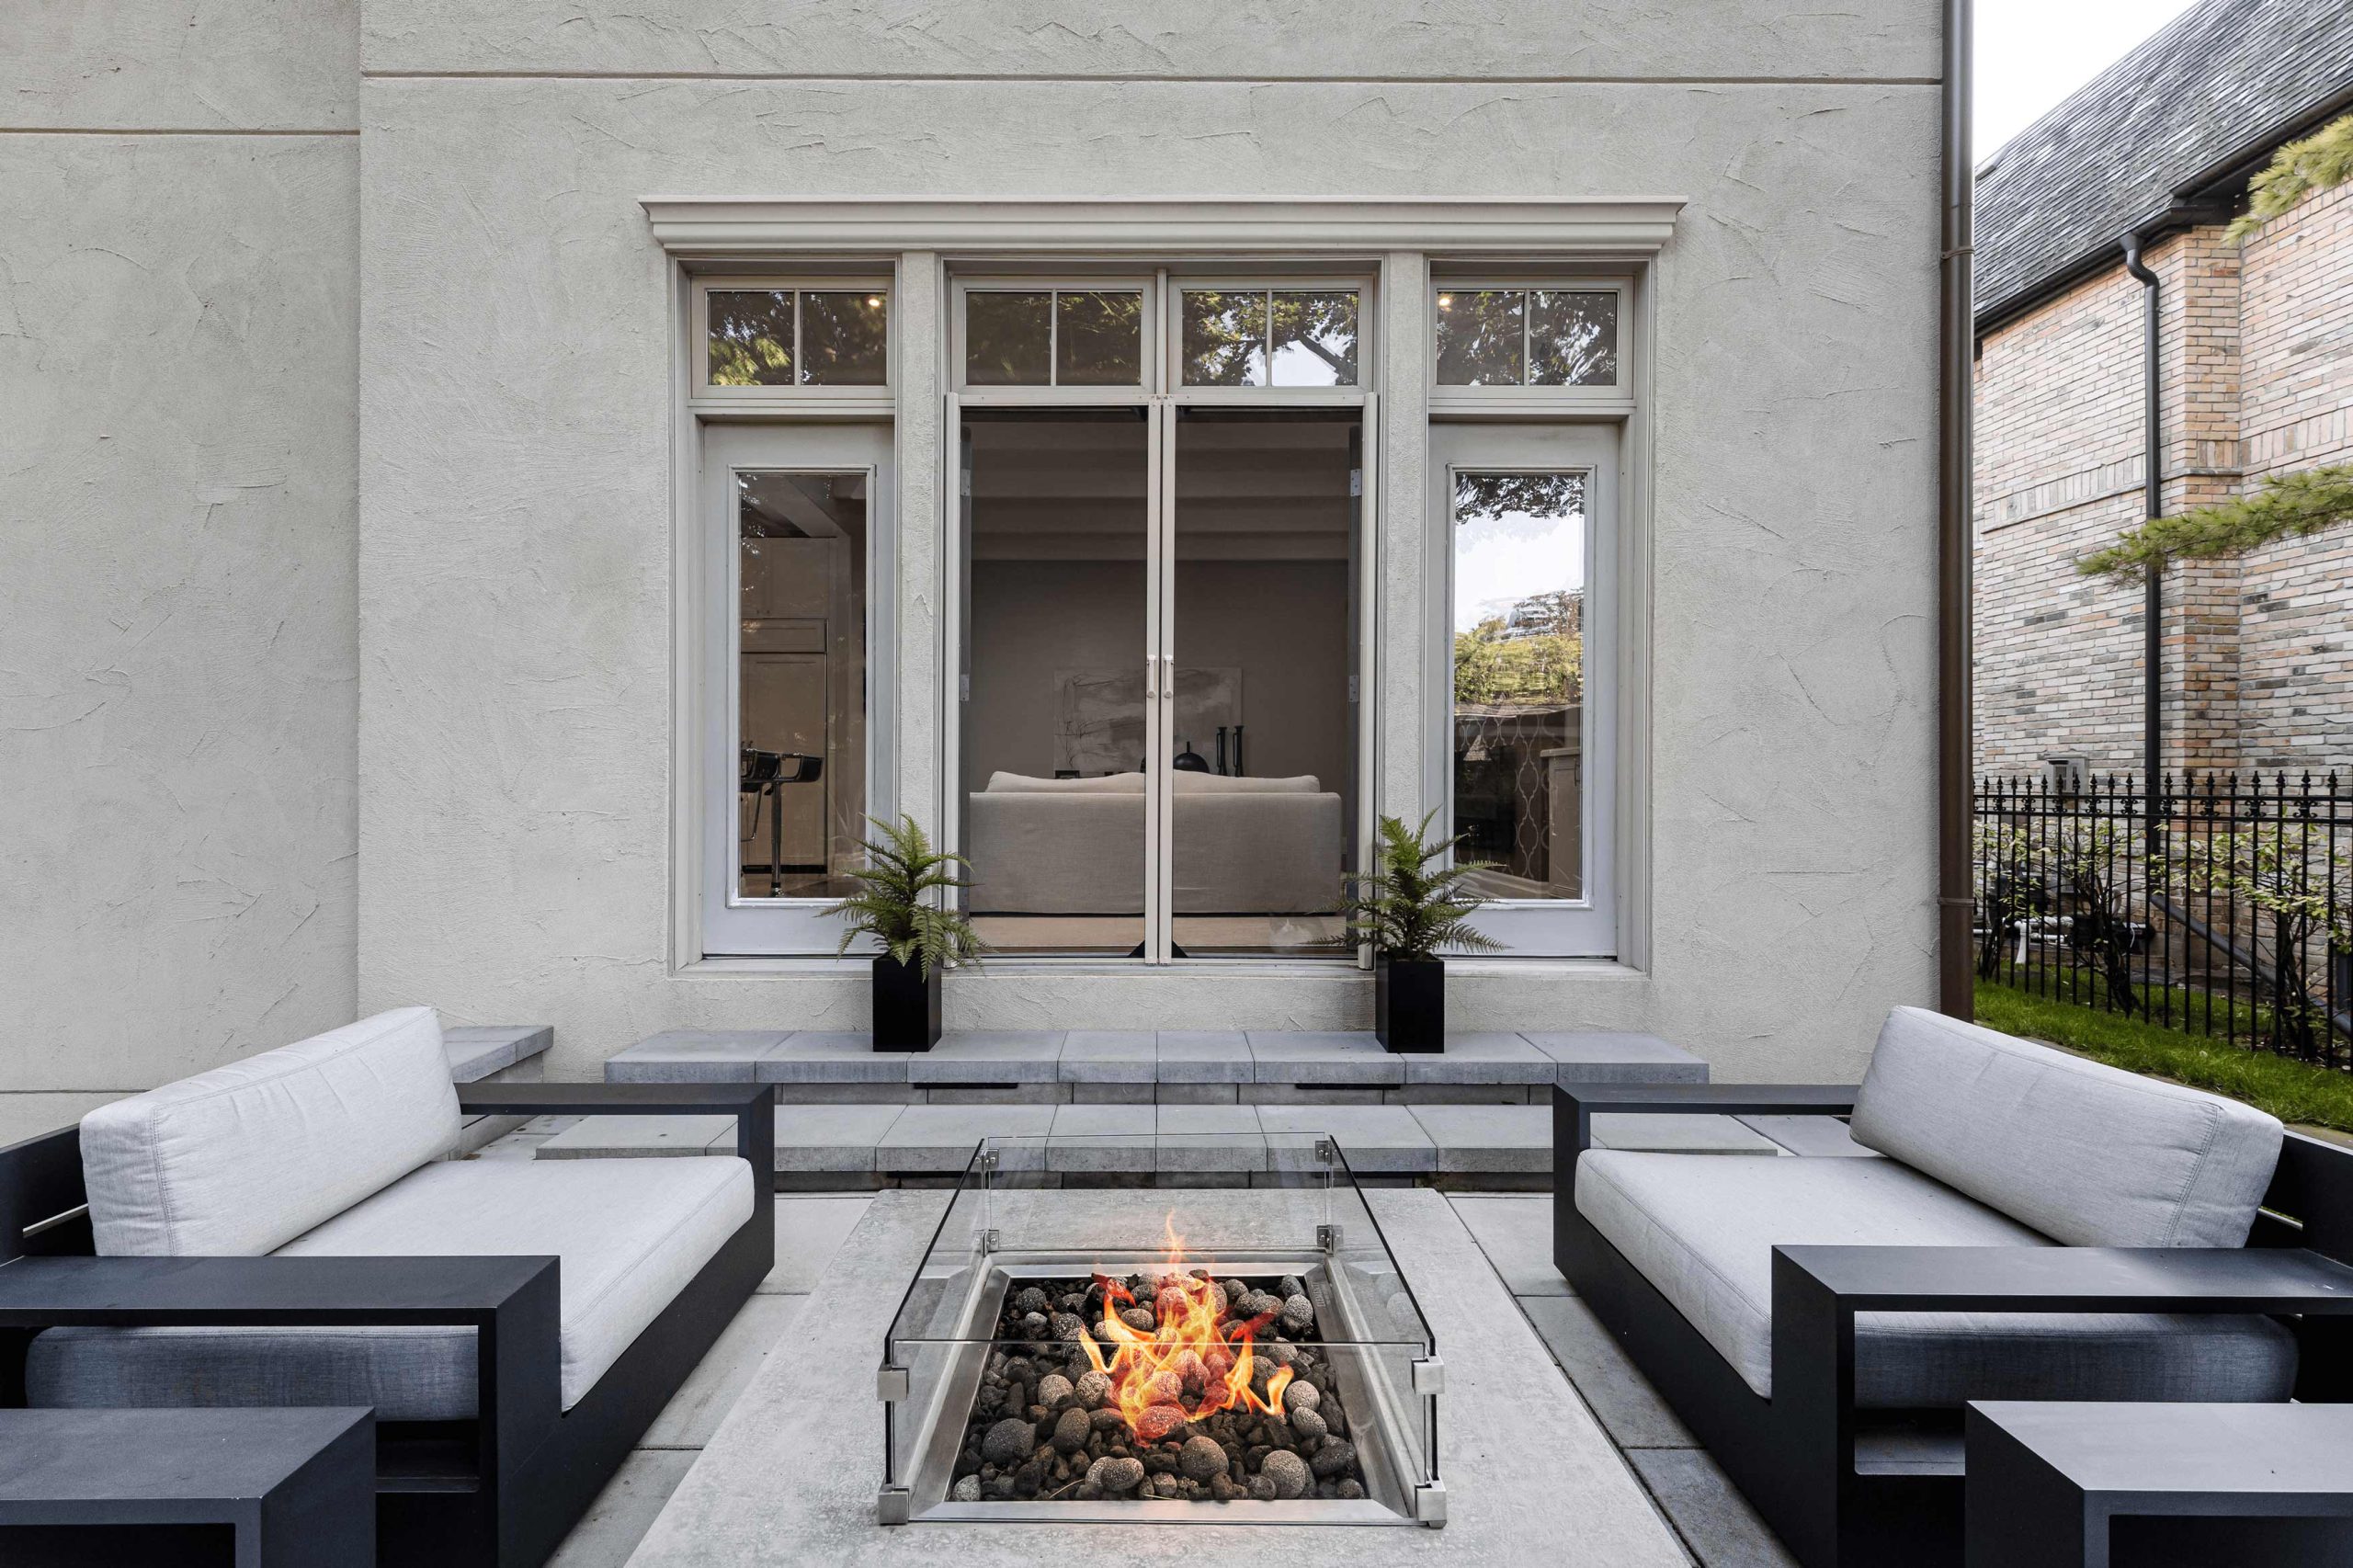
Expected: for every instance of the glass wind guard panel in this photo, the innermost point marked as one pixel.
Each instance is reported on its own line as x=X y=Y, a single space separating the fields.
x=1520 y=545
x=1033 y=1277
x=750 y=339
x=801 y=681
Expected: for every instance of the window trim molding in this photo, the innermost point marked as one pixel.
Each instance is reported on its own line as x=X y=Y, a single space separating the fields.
x=1631 y=227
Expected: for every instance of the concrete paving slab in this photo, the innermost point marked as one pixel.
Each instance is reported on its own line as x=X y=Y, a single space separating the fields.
x=711 y=1389
x=1679 y=1134
x=1203 y=1056
x=1810 y=1135
x=1379 y=1140
x=1600 y=1056
x=832 y=1138
x=630 y=1504
x=1488 y=1137
x=821 y=1056
x=1098 y=1138
x=1309 y=1056
x=1515 y=1466
x=1007 y=1056
x=1516 y=1234
x=1722 y=1530
x=1481 y=1057
x=476 y=1050
x=940 y=1138
x=631 y=1137
x=809 y=1230
x=693 y=1056
x=1108 y=1056
x=1211 y=1138
x=1629 y=1410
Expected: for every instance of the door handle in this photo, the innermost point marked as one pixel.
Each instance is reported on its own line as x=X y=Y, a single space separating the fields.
x=1151 y=676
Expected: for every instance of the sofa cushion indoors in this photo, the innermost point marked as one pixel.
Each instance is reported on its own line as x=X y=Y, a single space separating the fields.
x=1701 y=1228
x=245 y=1158
x=631 y=1234
x=2084 y=1152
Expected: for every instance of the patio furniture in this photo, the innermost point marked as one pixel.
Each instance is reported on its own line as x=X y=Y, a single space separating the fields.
x=2036 y=1226
x=99 y=1488
x=2060 y=1486
x=286 y=1231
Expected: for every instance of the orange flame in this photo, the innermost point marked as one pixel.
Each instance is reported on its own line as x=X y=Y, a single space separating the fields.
x=1193 y=1348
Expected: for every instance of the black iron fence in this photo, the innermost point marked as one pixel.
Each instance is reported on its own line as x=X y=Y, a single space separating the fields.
x=2222 y=908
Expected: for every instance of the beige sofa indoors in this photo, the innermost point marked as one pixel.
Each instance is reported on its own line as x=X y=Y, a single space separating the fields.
x=1075 y=846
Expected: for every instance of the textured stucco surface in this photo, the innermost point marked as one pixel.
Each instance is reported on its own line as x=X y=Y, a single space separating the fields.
x=178 y=389
x=516 y=485
x=1260 y=41
x=179 y=64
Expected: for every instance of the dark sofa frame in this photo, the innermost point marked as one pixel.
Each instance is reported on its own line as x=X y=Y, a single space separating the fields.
x=1794 y=1455
x=499 y=1491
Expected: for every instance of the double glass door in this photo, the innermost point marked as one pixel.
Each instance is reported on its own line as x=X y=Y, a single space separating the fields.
x=1157 y=736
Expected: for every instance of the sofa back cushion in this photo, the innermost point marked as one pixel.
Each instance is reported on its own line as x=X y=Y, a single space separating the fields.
x=239 y=1160
x=1003 y=783
x=2086 y=1153
x=1228 y=784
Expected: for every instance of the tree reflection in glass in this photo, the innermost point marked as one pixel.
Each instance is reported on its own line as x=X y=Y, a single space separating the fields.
x=843 y=339
x=1007 y=338
x=1225 y=338
x=751 y=337
x=1099 y=339
x=1315 y=339
x=1482 y=337
x=1573 y=338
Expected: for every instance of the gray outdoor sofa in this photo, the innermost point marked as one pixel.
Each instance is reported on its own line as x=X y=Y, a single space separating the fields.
x=2024 y=1225
x=291 y=1229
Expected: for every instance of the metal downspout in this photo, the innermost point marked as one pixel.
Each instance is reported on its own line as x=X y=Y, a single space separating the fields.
x=1956 y=970
x=2152 y=506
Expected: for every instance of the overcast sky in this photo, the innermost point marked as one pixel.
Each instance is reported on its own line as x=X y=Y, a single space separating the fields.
x=2031 y=53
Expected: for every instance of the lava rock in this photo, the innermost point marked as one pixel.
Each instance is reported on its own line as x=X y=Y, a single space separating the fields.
x=1288 y=1471
x=1200 y=1459
x=1291 y=1285
x=1262 y=1488
x=1115 y=1476
x=1163 y=1388
x=1030 y=1300
x=1052 y=1389
x=1138 y=1318
x=1333 y=1458
x=1158 y=1421
x=1351 y=1490
x=1070 y=1432
x=1107 y=1419
x=1307 y=1424
x=967 y=1490
x=1298 y=1315
x=1066 y=1327
x=1007 y=1444
x=1299 y=1395
x=1093 y=1389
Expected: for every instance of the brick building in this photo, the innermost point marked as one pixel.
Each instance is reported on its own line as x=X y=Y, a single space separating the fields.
x=2254 y=370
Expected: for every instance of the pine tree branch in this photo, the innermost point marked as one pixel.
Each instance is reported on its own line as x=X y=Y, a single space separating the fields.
x=2289 y=505
x=2317 y=163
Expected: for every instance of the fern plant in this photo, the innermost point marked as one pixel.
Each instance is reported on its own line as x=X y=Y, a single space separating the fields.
x=1411 y=905
x=893 y=905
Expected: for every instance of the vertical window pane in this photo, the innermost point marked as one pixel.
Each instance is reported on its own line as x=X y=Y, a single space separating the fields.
x=1573 y=338
x=1008 y=339
x=801 y=681
x=1519 y=580
x=845 y=338
x=1225 y=338
x=751 y=337
x=1481 y=342
x=1315 y=340
x=1099 y=339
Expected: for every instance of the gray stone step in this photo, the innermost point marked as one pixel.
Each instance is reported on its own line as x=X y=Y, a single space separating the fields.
x=493 y=1053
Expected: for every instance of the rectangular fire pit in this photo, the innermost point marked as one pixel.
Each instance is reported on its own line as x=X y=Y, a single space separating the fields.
x=1246 y=1354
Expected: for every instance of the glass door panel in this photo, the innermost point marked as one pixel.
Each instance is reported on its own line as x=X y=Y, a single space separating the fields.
x=1265 y=552
x=1055 y=729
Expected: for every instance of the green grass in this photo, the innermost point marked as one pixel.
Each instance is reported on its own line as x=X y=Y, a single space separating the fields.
x=2293 y=1091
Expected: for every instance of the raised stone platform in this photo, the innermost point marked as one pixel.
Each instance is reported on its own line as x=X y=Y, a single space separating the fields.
x=495 y=1054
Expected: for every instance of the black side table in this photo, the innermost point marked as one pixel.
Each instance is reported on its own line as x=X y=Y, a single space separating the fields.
x=2049 y=1484
x=256 y=1488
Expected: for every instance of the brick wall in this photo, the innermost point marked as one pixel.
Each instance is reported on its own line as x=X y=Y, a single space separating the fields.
x=2256 y=370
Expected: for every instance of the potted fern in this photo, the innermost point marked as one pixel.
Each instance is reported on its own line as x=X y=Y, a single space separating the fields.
x=894 y=906
x=1410 y=907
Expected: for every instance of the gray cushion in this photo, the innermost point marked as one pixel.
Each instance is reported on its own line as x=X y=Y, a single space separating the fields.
x=2083 y=1152
x=247 y=1157
x=1702 y=1228
x=631 y=1234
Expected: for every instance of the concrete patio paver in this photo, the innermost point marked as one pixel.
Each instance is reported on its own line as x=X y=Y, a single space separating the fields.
x=1377 y=1140
x=829 y=1056
x=703 y=1399
x=940 y=1138
x=809 y=1230
x=693 y=1056
x=1007 y=1056
x=1108 y=1056
x=1679 y=1134
x=1628 y=1407
x=1203 y=1056
x=1600 y=1056
x=1516 y=1233
x=1102 y=1138
x=1332 y=1060
x=609 y=1532
x=1204 y=1138
x=1481 y=1057
x=1714 y=1520
x=1489 y=1139
x=830 y=1139
x=594 y=1137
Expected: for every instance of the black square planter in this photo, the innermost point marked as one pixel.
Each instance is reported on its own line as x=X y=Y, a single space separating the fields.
x=906 y=1005
x=1409 y=1003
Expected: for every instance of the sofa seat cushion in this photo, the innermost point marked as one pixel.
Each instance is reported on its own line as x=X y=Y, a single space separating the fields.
x=2086 y=1153
x=1701 y=1229
x=631 y=1234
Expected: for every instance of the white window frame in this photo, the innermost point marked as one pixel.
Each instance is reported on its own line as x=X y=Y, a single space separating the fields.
x=1148 y=358
x=1365 y=286
x=1617 y=398
x=1589 y=926
x=704 y=396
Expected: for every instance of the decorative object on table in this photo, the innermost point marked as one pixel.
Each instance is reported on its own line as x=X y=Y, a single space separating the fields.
x=1411 y=907
x=896 y=905
x=1187 y=760
x=1099 y=713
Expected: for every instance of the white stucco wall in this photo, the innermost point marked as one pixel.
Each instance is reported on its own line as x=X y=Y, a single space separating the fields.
x=179 y=338
x=516 y=459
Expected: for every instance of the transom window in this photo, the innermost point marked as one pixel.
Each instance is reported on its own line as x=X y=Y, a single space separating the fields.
x=1053 y=337
x=1079 y=338
x=1269 y=337
x=1560 y=336
x=760 y=339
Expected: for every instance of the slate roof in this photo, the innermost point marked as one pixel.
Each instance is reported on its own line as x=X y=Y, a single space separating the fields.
x=2220 y=84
